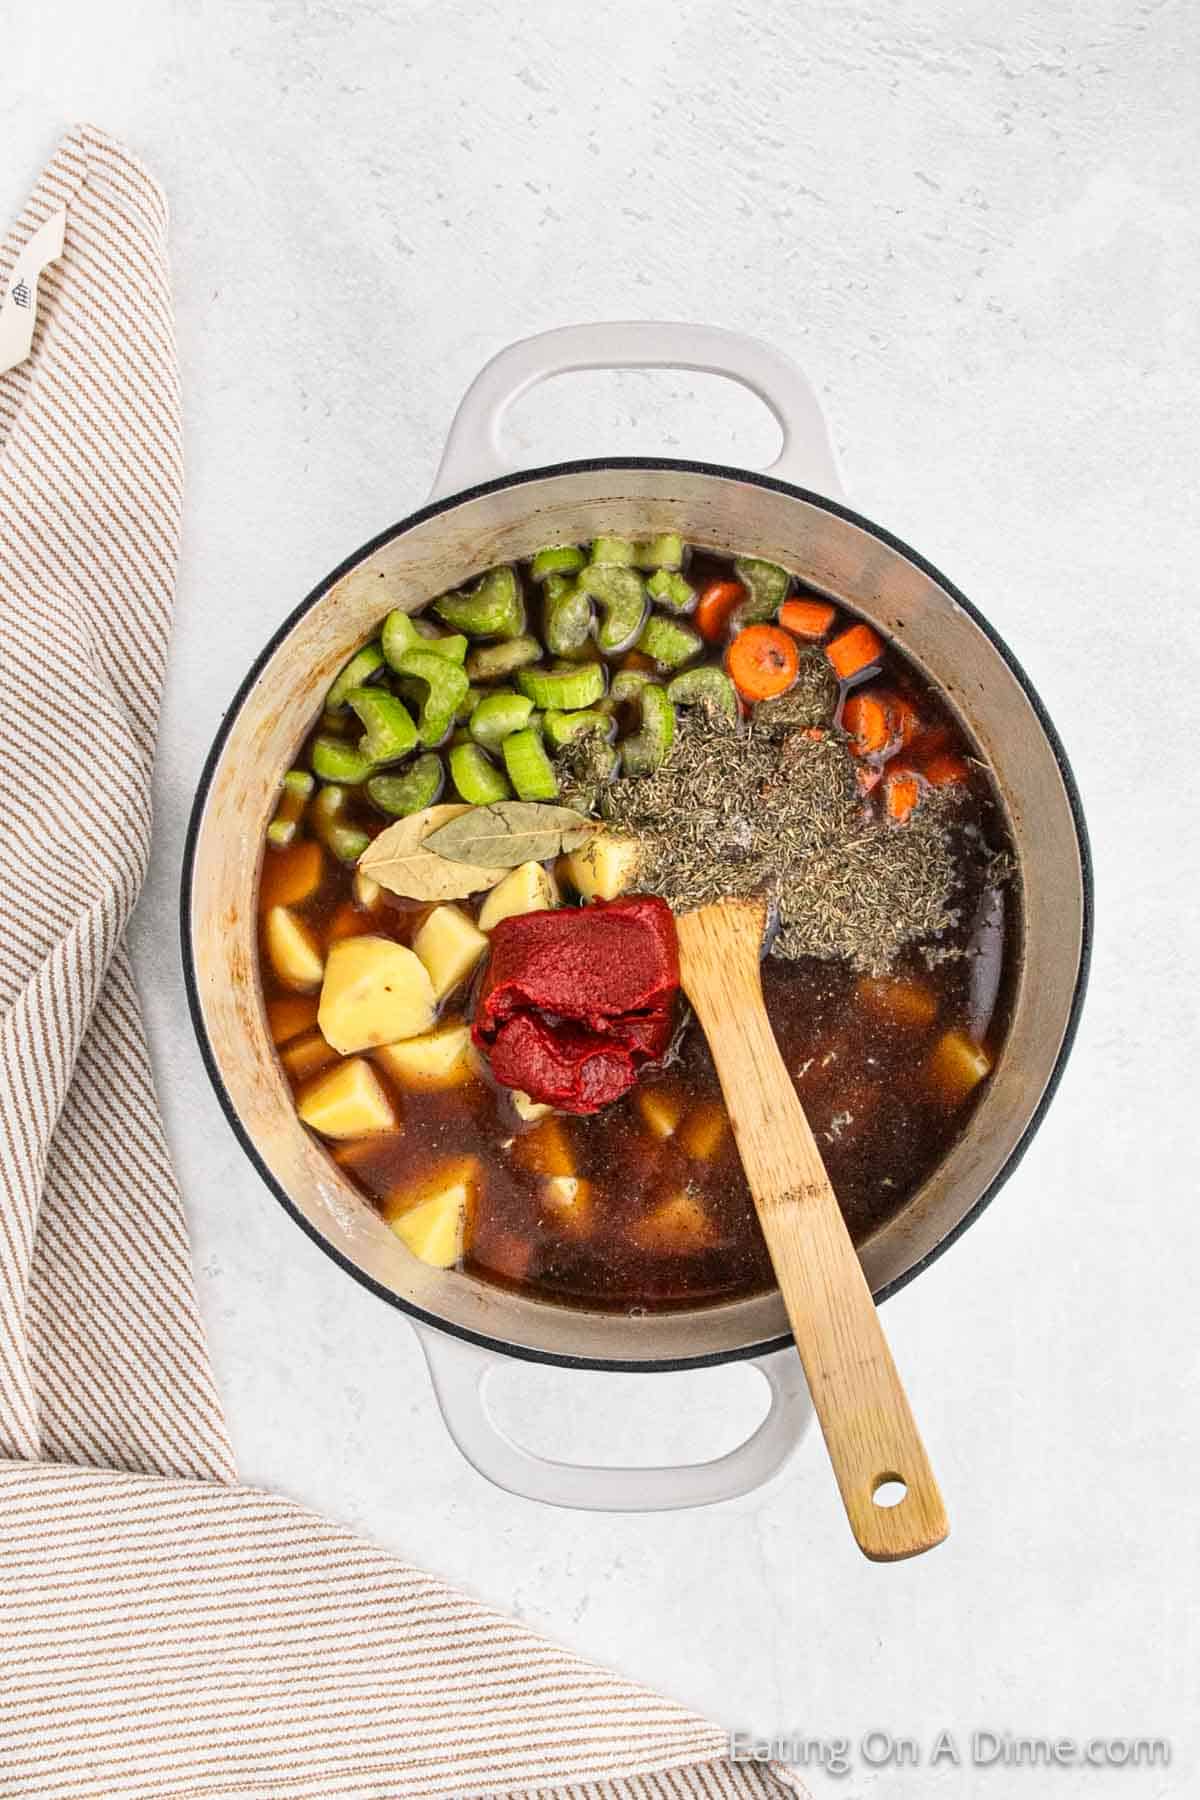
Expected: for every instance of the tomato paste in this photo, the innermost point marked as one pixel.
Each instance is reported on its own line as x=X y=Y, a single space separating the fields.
x=575 y=1000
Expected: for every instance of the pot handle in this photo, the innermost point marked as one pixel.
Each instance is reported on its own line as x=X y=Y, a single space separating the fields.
x=461 y=1373
x=473 y=454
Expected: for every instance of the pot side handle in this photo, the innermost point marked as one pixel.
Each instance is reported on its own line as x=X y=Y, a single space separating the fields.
x=461 y=1372
x=473 y=453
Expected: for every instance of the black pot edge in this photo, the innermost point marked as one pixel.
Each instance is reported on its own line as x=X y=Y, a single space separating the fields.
x=589 y=466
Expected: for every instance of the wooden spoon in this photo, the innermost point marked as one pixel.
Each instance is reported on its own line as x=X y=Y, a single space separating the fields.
x=869 y=1430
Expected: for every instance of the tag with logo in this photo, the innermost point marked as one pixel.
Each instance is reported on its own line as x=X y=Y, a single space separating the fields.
x=18 y=315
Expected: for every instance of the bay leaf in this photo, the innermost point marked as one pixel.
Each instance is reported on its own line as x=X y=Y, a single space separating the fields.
x=511 y=832
x=399 y=860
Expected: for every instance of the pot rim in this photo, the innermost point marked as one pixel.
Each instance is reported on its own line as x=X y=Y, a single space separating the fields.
x=597 y=465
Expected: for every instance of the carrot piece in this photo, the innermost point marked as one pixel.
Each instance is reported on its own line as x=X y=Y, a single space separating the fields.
x=901 y=794
x=762 y=661
x=807 y=618
x=637 y=659
x=714 y=607
x=853 y=651
x=908 y=723
x=868 y=778
x=903 y=1002
x=292 y=875
x=870 y=721
x=287 y=1018
x=944 y=770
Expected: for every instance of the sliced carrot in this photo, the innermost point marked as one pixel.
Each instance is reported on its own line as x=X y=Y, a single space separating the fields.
x=807 y=618
x=901 y=794
x=869 y=721
x=287 y=1018
x=908 y=723
x=637 y=659
x=853 y=651
x=868 y=778
x=944 y=770
x=762 y=661
x=714 y=607
x=290 y=876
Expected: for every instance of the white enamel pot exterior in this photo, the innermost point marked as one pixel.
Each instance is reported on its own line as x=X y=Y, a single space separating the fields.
x=481 y=514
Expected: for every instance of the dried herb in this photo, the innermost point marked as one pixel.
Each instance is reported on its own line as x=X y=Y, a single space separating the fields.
x=398 y=860
x=510 y=832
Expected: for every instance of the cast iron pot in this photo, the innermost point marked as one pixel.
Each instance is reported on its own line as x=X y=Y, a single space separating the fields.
x=482 y=513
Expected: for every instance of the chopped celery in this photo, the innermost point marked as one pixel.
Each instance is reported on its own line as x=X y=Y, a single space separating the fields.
x=493 y=608
x=621 y=596
x=662 y=552
x=628 y=684
x=671 y=592
x=648 y=748
x=567 y=615
x=363 y=665
x=344 y=841
x=612 y=550
x=333 y=759
x=529 y=768
x=467 y=705
x=400 y=636
x=297 y=790
x=419 y=786
x=389 y=731
x=498 y=715
x=767 y=585
x=557 y=559
x=704 y=687
x=563 y=690
x=669 y=642
x=561 y=727
x=476 y=776
x=445 y=689
x=492 y=662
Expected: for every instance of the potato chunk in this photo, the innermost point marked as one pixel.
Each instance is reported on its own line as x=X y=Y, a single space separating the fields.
x=292 y=875
x=349 y=1102
x=546 y=1150
x=434 y=1218
x=661 y=1109
x=704 y=1130
x=569 y=1200
x=527 y=1110
x=956 y=1065
x=529 y=888
x=606 y=866
x=678 y=1226
x=444 y=1058
x=294 y=952
x=306 y=1055
x=449 y=944
x=375 y=992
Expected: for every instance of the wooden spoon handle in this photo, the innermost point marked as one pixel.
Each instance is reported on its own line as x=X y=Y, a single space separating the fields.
x=869 y=1429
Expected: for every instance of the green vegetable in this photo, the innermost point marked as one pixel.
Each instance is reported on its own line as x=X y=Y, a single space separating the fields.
x=612 y=550
x=567 y=617
x=492 y=662
x=671 y=592
x=333 y=759
x=297 y=790
x=766 y=585
x=389 y=731
x=476 y=776
x=648 y=748
x=494 y=608
x=498 y=715
x=418 y=787
x=529 y=768
x=344 y=841
x=669 y=642
x=467 y=705
x=559 y=559
x=663 y=552
x=400 y=636
x=364 y=664
x=445 y=690
x=621 y=596
x=562 y=690
x=561 y=727
x=704 y=687
x=628 y=684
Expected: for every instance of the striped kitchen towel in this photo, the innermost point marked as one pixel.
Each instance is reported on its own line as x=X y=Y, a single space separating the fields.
x=163 y=1629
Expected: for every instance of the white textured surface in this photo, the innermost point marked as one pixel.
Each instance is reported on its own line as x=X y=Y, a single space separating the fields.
x=973 y=226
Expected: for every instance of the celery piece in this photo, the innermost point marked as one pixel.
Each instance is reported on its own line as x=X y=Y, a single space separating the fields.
x=476 y=776
x=612 y=550
x=493 y=608
x=566 y=617
x=627 y=684
x=342 y=840
x=529 y=768
x=498 y=715
x=492 y=662
x=671 y=591
x=648 y=748
x=662 y=552
x=400 y=636
x=557 y=559
x=563 y=690
x=445 y=690
x=766 y=583
x=333 y=759
x=669 y=642
x=561 y=727
x=704 y=687
x=389 y=732
x=294 y=796
x=419 y=786
x=621 y=596
x=467 y=705
x=362 y=667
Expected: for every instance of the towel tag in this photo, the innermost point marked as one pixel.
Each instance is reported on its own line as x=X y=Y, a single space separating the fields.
x=18 y=315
